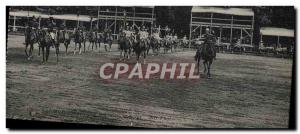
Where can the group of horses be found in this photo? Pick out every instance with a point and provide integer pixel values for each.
(46, 40)
(128, 45)
(140, 45)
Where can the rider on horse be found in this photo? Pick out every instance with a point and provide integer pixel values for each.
(210, 39)
(33, 26)
(51, 25)
(34, 23)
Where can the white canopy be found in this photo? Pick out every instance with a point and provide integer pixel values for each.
(274, 31)
(61, 17)
(140, 6)
(72, 17)
(28, 13)
(221, 10)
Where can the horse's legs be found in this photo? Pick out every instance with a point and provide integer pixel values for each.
(125, 54)
(121, 54)
(66, 46)
(57, 51)
(80, 47)
(105, 46)
(145, 56)
(110, 43)
(198, 65)
(90, 46)
(99, 44)
(83, 47)
(39, 49)
(128, 53)
(26, 49)
(30, 50)
(208, 68)
(148, 49)
(75, 48)
(47, 52)
(43, 53)
(205, 65)
(137, 57)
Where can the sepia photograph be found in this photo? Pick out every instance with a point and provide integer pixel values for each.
(161, 67)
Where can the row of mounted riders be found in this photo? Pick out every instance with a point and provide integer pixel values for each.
(46, 38)
(138, 42)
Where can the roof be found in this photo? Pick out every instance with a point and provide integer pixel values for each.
(274, 31)
(61, 16)
(139, 6)
(72, 17)
(221, 10)
(26, 13)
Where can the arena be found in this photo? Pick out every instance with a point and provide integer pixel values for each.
(245, 91)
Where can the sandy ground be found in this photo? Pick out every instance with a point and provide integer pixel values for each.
(245, 92)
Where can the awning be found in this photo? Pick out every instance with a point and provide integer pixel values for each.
(220, 10)
(72, 17)
(274, 31)
(28, 13)
(85, 18)
(139, 6)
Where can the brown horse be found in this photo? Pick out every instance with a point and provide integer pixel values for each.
(207, 53)
(31, 38)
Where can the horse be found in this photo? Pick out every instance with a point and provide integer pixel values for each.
(31, 37)
(207, 53)
(140, 48)
(124, 45)
(79, 39)
(63, 36)
(176, 43)
(155, 45)
(46, 42)
(92, 38)
(108, 39)
(167, 44)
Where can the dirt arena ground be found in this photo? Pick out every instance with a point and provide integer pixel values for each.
(245, 91)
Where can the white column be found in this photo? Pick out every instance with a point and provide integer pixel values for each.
(14, 27)
(115, 25)
(241, 35)
(252, 29)
(231, 29)
(152, 21)
(190, 30)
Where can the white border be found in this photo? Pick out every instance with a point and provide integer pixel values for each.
(5, 3)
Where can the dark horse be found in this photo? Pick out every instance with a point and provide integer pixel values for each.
(167, 44)
(207, 53)
(124, 45)
(140, 48)
(155, 45)
(46, 42)
(64, 37)
(108, 39)
(92, 38)
(31, 37)
(79, 39)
